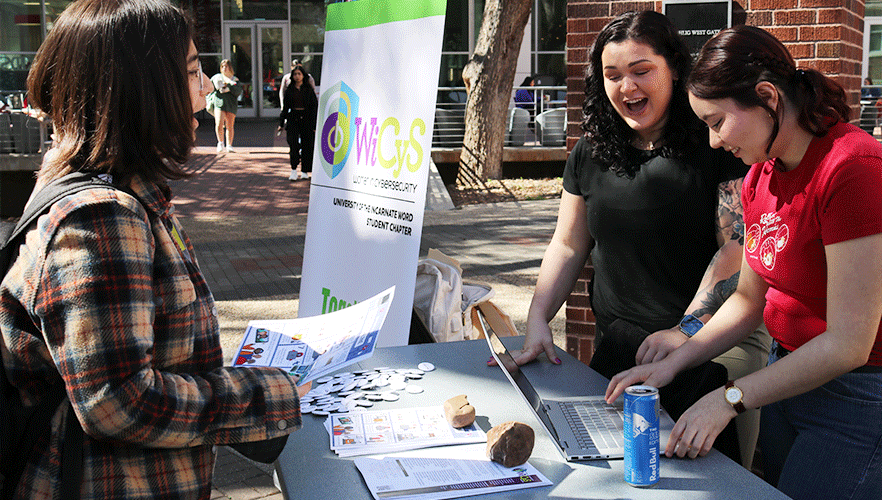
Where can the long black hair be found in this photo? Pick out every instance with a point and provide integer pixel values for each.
(609, 135)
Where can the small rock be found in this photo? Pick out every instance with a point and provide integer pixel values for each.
(510, 444)
(459, 412)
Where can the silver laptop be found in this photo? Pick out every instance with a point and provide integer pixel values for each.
(583, 428)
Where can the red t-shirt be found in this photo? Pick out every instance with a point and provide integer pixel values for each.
(834, 195)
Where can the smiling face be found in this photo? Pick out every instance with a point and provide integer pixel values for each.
(743, 131)
(639, 84)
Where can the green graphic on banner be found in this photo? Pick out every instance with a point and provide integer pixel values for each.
(354, 15)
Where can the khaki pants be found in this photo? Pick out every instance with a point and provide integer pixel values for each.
(745, 358)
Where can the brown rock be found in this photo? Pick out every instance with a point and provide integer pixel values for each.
(459, 412)
(510, 444)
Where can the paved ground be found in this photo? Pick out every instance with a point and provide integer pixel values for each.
(248, 224)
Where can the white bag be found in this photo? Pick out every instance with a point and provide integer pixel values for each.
(443, 302)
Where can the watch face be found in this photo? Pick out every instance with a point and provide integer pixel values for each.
(733, 395)
(690, 325)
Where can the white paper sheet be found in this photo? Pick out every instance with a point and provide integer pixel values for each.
(439, 473)
(317, 345)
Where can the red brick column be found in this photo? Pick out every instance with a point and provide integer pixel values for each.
(823, 34)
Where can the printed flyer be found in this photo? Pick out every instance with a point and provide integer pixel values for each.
(372, 432)
(314, 346)
(459, 474)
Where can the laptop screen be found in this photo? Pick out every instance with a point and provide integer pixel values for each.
(515, 375)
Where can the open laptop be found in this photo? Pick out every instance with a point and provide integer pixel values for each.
(583, 428)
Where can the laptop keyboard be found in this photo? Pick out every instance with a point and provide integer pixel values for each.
(601, 420)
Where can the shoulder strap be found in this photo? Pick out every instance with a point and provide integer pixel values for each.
(28, 425)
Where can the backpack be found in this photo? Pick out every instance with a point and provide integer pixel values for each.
(20, 427)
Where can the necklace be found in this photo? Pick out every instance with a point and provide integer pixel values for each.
(645, 145)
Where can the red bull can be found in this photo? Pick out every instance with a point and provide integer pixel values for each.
(641, 436)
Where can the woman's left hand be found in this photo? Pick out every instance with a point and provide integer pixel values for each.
(698, 427)
(657, 346)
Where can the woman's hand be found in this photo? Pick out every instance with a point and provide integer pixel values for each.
(303, 389)
(655, 374)
(538, 340)
(657, 346)
(698, 427)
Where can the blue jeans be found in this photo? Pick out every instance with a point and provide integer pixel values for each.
(826, 443)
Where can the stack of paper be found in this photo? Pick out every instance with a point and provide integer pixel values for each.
(373, 432)
(441, 473)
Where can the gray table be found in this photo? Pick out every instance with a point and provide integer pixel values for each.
(309, 469)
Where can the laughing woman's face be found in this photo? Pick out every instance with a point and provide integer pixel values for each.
(639, 84)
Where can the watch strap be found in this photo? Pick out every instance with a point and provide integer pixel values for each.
(739, 406)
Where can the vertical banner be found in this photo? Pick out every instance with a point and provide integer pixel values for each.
(373, 140)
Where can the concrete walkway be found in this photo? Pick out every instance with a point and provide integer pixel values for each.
(248, 224)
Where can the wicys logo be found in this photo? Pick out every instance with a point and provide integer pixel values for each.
(338, 106)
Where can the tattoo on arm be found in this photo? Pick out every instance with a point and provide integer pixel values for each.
(715, 298)
(730, 213)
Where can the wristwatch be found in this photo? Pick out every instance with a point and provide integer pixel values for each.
(690, 325)
(734, 396)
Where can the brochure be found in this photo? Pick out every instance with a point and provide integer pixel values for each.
(450, 472)
(317, 345)
(387, 431)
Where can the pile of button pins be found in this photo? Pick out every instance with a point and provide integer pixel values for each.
(351, 391)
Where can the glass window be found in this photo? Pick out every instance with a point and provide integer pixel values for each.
(22, 26)
(308, 26)
(54, 8)
(874, 53)
(207, 23)
(553, 65)
(451, 70)
(14, 70)
(238, 10)
(456, 27)
(551, 20)
(873, 8)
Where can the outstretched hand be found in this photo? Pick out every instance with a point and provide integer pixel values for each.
(698, 427)
(655, 374)
(303, 389)
(537, 341)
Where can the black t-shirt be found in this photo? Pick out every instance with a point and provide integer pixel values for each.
(654, 234)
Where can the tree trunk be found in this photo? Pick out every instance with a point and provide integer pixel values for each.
(489, 78)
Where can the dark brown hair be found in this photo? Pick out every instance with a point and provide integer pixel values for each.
(610, 136)
(736, 59)
(112, 75)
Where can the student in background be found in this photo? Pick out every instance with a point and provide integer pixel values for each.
(812, 269)
(298, 117)
(227, 90)
(106, 297)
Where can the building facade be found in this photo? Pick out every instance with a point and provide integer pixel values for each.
(260, 37)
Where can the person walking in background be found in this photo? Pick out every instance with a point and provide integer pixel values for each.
(286, 80)
(812, 269)
(105, 298)
(298, 116)
(659, 212)
(225, 96)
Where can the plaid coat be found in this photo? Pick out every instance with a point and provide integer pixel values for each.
(131, 329)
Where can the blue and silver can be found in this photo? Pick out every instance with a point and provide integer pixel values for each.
(641, 436)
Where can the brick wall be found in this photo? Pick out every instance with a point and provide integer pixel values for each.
(823, 34)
